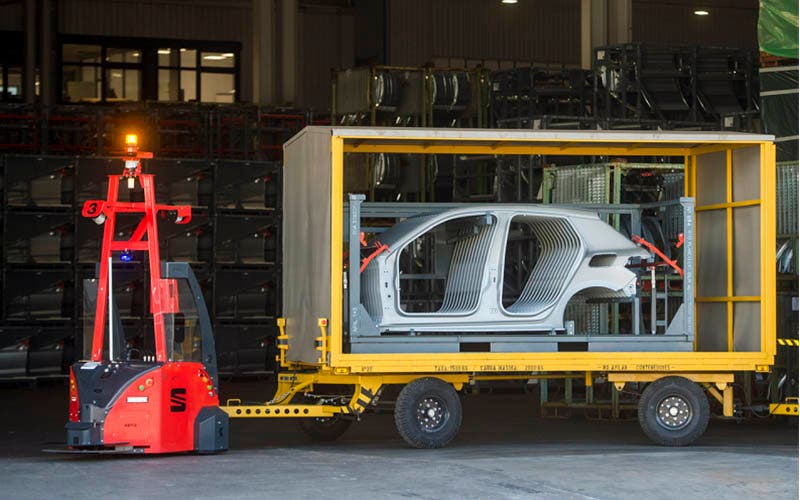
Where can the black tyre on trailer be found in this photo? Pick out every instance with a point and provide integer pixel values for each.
(673, 411)
(428, 413)
(325, 429)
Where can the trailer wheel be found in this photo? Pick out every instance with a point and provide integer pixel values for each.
(324, 429)
(427, 413)
(673, 411)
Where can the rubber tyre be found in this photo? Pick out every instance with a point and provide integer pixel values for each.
(408, 419)
(324, 430)
(689, 395)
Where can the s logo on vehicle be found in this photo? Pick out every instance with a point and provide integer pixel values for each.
(177, 399)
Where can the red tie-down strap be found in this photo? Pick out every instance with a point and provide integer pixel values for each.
(671, 263)
(381, 247)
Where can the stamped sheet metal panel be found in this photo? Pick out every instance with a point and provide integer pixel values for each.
(306, 240)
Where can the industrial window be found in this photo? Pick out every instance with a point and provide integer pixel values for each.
(11, 59)
(103, 69)
(184, 74)
(94, 73)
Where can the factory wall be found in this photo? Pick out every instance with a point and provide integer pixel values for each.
(326, 42)
(730, 23)
(228, 21)
(541, 31)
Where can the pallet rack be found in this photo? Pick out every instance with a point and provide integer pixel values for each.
(49, 249)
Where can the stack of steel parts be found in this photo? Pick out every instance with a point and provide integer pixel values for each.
(232, 243)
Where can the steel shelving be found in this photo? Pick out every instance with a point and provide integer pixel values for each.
(48, 251)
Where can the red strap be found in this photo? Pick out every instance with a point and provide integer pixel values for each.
(365, 262)
(673, 264)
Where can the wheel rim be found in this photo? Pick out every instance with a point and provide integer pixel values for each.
(326, 421)
(674, 412)
(432, 414)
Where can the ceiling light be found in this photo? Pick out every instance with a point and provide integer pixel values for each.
(135, 54)
(214, 57)
(509, 2)
(701, 13)
(164, 51)
(228, 54)
(183, 50)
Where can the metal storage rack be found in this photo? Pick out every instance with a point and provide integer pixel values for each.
(682, 87)
(530, 92)
(613, 183)
(49, 249)
(170, 130)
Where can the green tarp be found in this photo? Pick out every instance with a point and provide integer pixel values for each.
(777, 27)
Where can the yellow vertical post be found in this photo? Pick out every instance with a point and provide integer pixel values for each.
(729, 242)
(690, 182)
(768, 268)
(727, 401)
(337, 175)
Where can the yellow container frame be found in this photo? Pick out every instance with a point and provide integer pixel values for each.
(343, 141)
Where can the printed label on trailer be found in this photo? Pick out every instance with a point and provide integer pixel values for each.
(177, 399)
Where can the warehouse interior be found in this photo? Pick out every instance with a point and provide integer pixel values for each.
(221, 102)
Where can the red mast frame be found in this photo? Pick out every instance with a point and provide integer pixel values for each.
(163, 292)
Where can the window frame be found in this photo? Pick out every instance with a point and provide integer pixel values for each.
(149, 65)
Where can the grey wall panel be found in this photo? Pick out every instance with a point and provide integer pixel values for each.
(542, 31)
(712, 258)
(746, 327)
(730, 23)
(711, 174)
(712, 327)
(306, 239)
(746, 166)
(747, 251)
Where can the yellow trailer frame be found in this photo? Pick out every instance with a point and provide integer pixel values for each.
(367, 373)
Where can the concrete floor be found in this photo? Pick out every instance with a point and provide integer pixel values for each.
(503, 451)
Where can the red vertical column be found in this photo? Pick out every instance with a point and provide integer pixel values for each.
(100, 316)
(155, 266)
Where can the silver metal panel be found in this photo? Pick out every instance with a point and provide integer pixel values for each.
(747, 251)
(665, 138)
(580, 184)
(712, 256)
(544, 343)
(786, 200)
(712, 175)
(352, 90)
(712, 327)
(746, 327)
(306, 240)
(746, 167)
